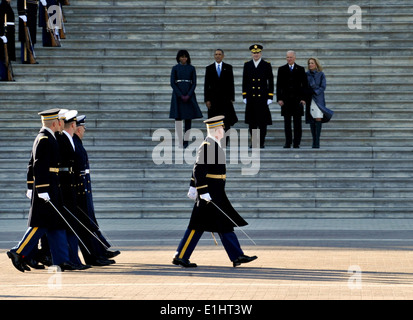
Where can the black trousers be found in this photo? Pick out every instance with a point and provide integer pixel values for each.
(262, 134)
(288, 130)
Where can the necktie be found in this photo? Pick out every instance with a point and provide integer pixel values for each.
(219, 70)
(291, 68)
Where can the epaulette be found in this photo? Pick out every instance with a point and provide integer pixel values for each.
(44, 137)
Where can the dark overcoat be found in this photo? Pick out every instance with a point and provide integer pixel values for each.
(220, 91)
(9, 31)
(84, 185)
(31, 13)
(291, 89)
(68, 179)
(257, 88)
(42, 176)
(208, 176)
(183, 83)
(317, 84)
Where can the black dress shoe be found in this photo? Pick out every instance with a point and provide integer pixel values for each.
(67, 266)
(184, 263)
(34, 264)
(287, 146)
(243, 259)
(83, 266)
(112, 254)
(102, 262)
(17, 261)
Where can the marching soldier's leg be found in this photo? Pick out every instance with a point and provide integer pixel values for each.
(231, 245)
(25, 246)
(186, 247)
(233, 249)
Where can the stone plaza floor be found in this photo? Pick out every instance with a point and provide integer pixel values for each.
(298, 259)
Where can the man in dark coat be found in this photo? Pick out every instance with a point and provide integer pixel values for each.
(258, 93)
(208, 184)
(27, 11)
(219, 90)
(291, 93)
(43, 185)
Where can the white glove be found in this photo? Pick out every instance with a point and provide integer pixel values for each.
(192, 193)
(24, 18)
(206, 197)
(29, 193)
(44, 3)
(44, 196)
(269, 101)
(245, 101)
(4, 39)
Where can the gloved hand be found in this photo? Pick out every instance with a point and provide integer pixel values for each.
(192, 193)
(44, 3)
(29, 193)
(24, 18)
(269, 101)
(185, 98)
(206, 197)
(44, 196)
(4, 38)
(245, 101)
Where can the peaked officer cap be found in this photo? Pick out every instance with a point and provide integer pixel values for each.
(255, 48)
(214, 122)
(50, 114)
(71, 116)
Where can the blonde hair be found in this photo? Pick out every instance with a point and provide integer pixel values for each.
(317, 63)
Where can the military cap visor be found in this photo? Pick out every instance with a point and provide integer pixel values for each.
(256, 48)
(80, 120)
(215, 122)
(70, 116)
(50, 114)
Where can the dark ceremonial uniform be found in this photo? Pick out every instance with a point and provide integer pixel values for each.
(68, 188)
(220, 91)
(98, 249)
(258, 88)
(28, 8)
(42, 22)
(208, 177)
(8, 31)
(42, 178)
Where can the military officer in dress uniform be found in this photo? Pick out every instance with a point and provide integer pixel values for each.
(43, 187)
(68, 184)
(258, 93)
(7, 31)
(97, 244)
(27, 11)
(208, 183)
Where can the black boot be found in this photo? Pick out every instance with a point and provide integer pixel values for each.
(313, 133)
(318, 126)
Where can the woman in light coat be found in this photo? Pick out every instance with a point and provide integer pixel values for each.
(316, 111)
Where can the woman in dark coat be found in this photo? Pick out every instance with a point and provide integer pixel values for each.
(184, 105)
(316, 111)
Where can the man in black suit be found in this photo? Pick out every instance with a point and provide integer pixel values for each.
(291, 86)
(219, 90)
(258, 93)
